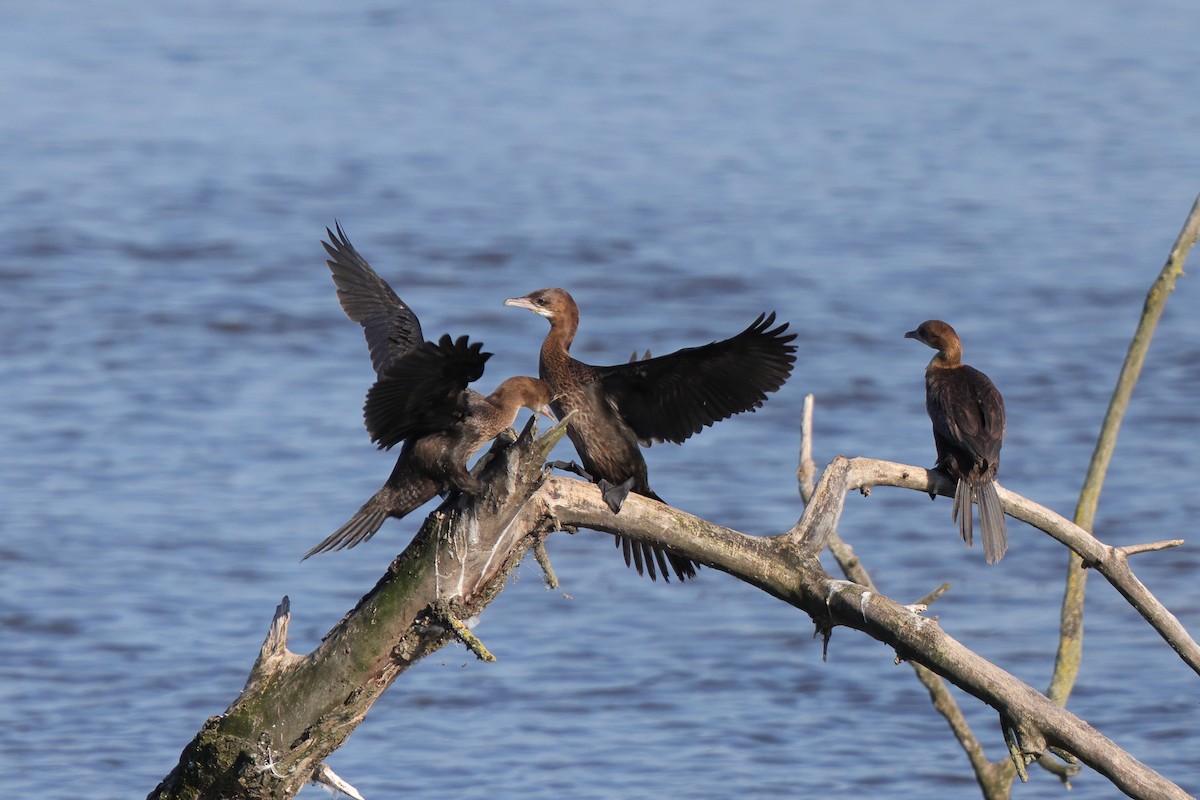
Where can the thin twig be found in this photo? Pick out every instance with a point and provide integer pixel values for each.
(933, 596)
(1149, 547)
(543, 560)
(469, 639)
(807, 470)
(327, 777)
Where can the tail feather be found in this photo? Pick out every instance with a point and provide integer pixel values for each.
(991, 517)
(395, 499)
(648, 560)
(660, 556)
(652, 560)
(963, 495)
(359, 528)
(636, 547)
(643, 556)
(683, 567)
(991, 520)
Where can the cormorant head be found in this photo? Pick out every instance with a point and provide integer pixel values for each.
(934, 333)
(940, 337)
(524, 391)
(548, 303)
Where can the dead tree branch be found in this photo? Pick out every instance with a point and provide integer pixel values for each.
(844, 475)
(1070, 648)
(994, 778)
(1033, 724)
(297, 709)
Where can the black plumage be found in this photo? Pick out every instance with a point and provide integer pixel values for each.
(967, 413)
(420, 399)
(668, 398)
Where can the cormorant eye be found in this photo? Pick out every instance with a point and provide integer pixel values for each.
(541, 301)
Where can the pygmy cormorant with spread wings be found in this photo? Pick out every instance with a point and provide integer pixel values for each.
(668, 398)
(420, 398)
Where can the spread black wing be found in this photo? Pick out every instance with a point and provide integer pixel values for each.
(671, 397)
(423, 392)
(391, 328)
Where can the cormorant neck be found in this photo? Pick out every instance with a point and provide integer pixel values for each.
(563, 326)
(949, 357)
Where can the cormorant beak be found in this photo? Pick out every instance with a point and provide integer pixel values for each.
(525, 302)
(545, 412)
(913, 335)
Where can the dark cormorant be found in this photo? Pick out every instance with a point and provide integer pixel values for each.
(968, 429)
(420, 398)
(668, 398)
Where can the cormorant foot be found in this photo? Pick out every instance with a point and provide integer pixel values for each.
(614, 494)
(455, 501)
(942, 475)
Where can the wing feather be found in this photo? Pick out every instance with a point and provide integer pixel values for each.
(391, 328)
(968, 413)
(672, 397)
(424, 392)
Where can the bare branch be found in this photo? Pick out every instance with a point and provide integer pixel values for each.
(1065, 769)
(327, 777)
(1070, 647)
(933, 596)
(995, 779)
(1152, 310)
(807, 471)
(1149, 547)
(792, 575)
(296, 710)
(469, 639)
(845, 475)
(543, 559)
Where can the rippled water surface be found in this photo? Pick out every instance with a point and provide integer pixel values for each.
(181, 403)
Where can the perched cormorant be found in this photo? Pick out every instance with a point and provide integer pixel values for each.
(968, 429)
(668, 398)
(420, 398)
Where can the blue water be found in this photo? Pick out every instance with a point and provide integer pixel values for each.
(182, 394)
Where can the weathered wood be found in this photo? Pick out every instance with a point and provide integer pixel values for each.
(297, 709)
(785, 567)
(843, 475)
